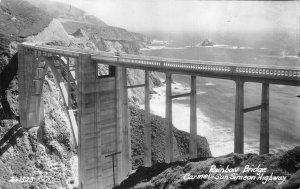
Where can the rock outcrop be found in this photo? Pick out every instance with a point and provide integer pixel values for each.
(43, 152)
(53, 32)
(207, 43)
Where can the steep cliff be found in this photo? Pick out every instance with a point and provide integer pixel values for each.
(44, 152)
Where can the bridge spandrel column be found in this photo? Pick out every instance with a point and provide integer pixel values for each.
(168, 120)
(193, 119)
(148, 158)
(123, 129)
(239, 118)
(264, 127)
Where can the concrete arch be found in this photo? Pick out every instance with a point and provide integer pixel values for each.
(35, 107)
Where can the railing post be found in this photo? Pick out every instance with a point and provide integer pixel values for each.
(264, 123)
(148, 157)
(193, 119)
(168, 120)
(239, 118)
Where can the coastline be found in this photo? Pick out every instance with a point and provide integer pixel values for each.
(205, 126)
(219, 137)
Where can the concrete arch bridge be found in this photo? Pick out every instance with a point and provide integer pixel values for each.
(101, 125)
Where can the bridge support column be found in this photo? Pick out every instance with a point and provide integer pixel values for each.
(168, 120)
(123, 122)
(264, 123)
(193, 119)
(148, 157)
(239, 118)
(24, 63)
(30, 89)
(89, 149)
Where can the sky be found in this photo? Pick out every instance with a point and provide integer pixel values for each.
(190, 15)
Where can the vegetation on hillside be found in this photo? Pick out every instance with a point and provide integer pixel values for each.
(158, 134)
(174, 175)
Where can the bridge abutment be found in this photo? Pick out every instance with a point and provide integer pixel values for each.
(31, 80)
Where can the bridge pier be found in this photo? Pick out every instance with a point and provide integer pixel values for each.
(264, 127)
(148, 157)
(239, 118)
(169, 156)
(31, 79)
(103, 117)
(168, 120)
(193, 118)
(25, 62)
(90, 160)
(123, 129)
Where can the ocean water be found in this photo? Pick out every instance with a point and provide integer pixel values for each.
(216, 98)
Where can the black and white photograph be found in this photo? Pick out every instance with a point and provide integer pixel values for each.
(149, 94)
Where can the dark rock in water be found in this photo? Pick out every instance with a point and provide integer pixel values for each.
(207, 42)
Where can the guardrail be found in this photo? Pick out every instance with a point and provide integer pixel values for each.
(165, 64)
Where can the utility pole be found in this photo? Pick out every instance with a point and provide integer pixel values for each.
(113, 161)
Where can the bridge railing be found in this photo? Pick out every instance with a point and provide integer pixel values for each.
(165, 64)
(206, 66)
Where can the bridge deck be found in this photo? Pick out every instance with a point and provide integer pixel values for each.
(224, 70)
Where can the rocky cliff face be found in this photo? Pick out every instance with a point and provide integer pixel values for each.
(44, 152)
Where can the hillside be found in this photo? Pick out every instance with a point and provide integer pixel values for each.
(23, 18)
(158, 134)
(278, 171)
(20, 18)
